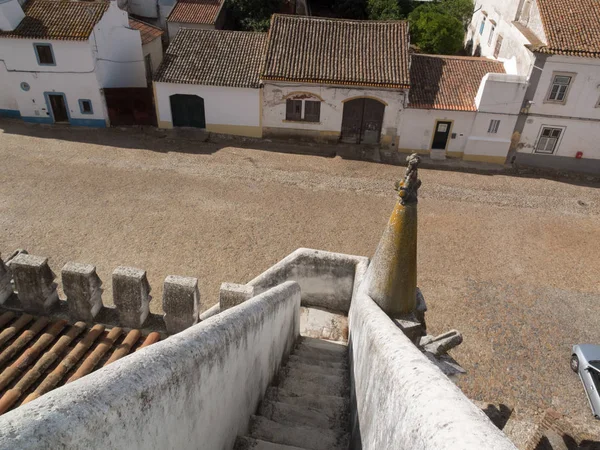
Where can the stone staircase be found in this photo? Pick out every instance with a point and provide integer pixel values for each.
(307, 408)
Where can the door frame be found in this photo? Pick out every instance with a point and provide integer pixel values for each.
(364, 97)
(435, 131)
(49, 105)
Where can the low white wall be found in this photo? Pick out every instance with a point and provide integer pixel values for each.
(327, 280)
(400, 399)
(196, 389)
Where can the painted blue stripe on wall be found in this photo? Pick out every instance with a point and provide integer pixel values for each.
(95, 123)
(10, 113)
(38, 119)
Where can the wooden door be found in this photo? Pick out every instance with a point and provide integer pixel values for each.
(59, 107)
(362, 120)
(187, 111)
(440, 138)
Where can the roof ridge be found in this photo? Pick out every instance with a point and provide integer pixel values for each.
(461, 58)
(336, 19)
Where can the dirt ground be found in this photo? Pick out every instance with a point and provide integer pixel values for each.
(511, 262)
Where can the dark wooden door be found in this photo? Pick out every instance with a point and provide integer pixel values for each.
(59, 108)
(187, 111)
(440, 138)
(362, 120)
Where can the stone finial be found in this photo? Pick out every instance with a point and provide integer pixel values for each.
(34, 282)
(181, 303)
(391, 279)
(232, 294)
(408, 188)
(6, 289)
(82, 286)
(131, 295)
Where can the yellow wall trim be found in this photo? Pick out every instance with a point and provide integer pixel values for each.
(485, 158)
(455, 154)
(165, 124)
(237, 130)
(364, 96)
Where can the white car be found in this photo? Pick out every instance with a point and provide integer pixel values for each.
(585, 361)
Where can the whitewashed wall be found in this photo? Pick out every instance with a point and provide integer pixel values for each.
(222, 105)
(155, 50)
(143, 8)
(8, 101)
(332, 106)
(501, 93)
(118, 51)
(583, 95)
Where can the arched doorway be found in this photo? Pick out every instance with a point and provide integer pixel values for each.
(187, 111)
(362, 120)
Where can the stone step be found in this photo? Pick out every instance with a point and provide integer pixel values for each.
(316, 384)
(319, 355)
(321, 344)
(294, 369)
(293, 415)
(299, 436)
(330, 405)
(248, 443)
(320, 362)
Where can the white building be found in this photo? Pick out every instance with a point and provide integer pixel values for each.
(57, 57)
(460, 107)
(209, 79)
(334, 80)
(152, 47)
(558, 49)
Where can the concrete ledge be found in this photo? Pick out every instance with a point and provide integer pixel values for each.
(403, 401)
(328, 280)
(196, 389)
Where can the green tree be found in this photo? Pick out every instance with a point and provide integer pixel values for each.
(350, 9)
(461, 9)
(252, 15)
(383, 10)
(435, 31)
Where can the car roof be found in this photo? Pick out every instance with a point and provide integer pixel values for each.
(590, 351)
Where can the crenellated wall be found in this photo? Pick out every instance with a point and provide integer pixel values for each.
(36, 292)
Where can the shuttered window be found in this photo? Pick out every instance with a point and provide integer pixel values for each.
(312, 111)
(548, 140)
(498, 46)
(293, 110)
(494, 125)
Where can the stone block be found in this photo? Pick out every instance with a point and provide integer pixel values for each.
(443, 343)
(6, 289)
(131, 295)
(411, 327)
(82, 286)
(181, 303)
(34, 282)
(232, 294)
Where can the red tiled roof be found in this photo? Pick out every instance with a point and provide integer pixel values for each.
(195, 11)
(147, 31)
(58, 20)
(572, 27)
(338, 51)
(447, 82)
(39, 354)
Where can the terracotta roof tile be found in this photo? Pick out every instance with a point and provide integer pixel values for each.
(147, 31)
(40, 354)
(213, 57)
(335, 51)
(572, 27)
(58, 20)
(448, 82)
(195, 11)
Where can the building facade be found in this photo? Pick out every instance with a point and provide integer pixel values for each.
(57, 57)
(557, 47)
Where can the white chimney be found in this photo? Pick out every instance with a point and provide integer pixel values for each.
(11, 15)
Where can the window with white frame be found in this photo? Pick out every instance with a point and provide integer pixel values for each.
(303, 110)
(494, 125)
(548, 140)
(559, 89)
(491, 38)
(482, 26)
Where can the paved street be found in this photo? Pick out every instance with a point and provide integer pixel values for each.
(511, 262)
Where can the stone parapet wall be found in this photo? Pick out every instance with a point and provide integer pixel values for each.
(27, 284)
(196, 389)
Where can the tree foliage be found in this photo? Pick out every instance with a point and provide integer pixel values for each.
(433, 30)
(252, 15)
(383, 10)
(461, 9)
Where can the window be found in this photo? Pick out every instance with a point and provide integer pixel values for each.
(559, 88)
(482, 26)
(303, 110)
(85, 106)
(498, 46)
(548, 140)
(293, 110)
(491, 38)
(312, 111)
(44, 54)
(494, 125)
